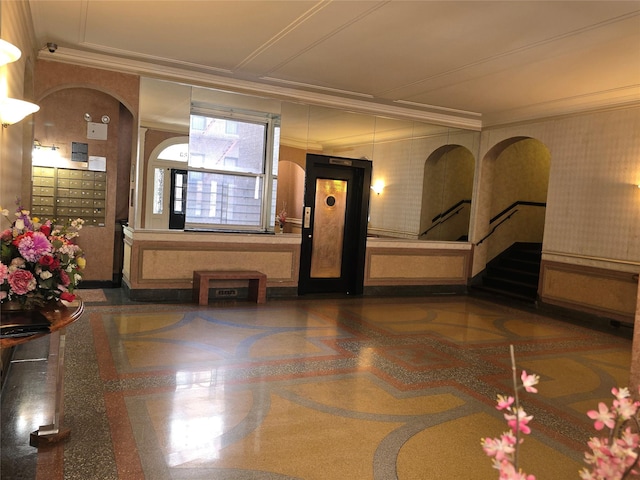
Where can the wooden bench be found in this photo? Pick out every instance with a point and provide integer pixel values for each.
(257, 283)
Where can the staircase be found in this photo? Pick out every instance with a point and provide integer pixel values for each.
(513, 274)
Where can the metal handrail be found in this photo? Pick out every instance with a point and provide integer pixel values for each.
(503, 212)
(441, 222)
(494, 228)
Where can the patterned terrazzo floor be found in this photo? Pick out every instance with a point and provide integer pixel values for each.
(358, 388)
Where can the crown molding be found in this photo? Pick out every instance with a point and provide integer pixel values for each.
(213, 80)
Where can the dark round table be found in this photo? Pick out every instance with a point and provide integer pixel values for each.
(60, 316)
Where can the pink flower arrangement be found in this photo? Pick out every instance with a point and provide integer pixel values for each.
(612, 458)
(504, 450)
(39, 261)
(282, 217)
(616, 456)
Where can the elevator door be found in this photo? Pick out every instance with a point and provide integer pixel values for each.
(334, 225)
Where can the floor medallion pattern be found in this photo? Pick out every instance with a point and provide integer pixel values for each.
(358, 388)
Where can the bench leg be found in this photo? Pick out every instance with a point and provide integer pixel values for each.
(200, 290)
(258, 290)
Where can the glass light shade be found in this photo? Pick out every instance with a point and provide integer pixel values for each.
(8, 52)
(13, 110)
(378, 187)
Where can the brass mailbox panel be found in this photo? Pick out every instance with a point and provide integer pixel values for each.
(64, 194)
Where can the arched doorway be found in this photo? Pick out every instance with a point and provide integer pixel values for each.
(516, 177)
(511, 216)
(168, 156)
(89, 177)
(446, 194)
(290, 194)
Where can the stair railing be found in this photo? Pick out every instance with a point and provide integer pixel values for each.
(510, 209)
(448, 213)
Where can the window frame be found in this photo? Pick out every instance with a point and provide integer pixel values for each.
(266, 177)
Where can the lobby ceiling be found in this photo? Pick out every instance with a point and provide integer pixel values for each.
(492, 61)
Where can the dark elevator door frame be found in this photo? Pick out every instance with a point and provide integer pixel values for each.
(358, 175)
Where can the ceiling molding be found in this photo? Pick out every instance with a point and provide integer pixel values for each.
(206, 79)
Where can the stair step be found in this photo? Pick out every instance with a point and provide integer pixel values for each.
(517, 275)
(514, 273)
(517, 264)
(511, 286)
(493, 293)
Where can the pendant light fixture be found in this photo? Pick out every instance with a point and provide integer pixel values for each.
(8, 52)
(13, 110)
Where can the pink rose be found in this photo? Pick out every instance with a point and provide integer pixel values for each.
(22, 281)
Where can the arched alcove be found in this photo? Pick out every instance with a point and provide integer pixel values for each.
(290, 192)
(163, 155)
(446, 194)
(99, 152)
(514, 186)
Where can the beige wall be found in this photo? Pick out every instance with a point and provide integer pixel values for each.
(592, 221)
(593, 207)
(514, 170)
(60, 122)
(65, 93)
(396, 212)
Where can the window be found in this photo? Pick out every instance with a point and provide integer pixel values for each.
(231, 171)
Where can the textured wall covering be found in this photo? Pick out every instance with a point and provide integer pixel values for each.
(634, 381)
(593, 209)
(401, 164)
(593, 206)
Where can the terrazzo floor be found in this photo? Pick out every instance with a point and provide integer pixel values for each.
(313, 389)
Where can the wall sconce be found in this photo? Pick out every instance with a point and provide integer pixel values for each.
(37, 145)
(11, 109)
(46, 153)
(378, 187)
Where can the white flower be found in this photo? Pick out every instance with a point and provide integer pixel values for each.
(16, 263)
(46, 274)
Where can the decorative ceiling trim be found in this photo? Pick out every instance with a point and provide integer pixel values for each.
(206, 79)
